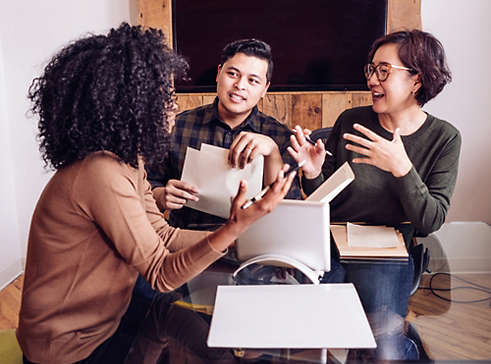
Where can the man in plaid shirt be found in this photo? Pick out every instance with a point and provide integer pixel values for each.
(233, 122)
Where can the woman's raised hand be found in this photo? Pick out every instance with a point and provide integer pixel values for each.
(302, 150)
(388, 155)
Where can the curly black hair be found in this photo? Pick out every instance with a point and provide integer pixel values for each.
(424, 54)
(107, 92)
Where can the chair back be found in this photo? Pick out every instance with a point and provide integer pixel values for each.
(321, 133)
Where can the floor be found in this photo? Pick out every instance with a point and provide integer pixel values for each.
(449, 331)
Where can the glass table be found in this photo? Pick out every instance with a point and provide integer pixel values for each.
(449, 319)
(193, 313)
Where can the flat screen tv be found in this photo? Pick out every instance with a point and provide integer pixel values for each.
(317, 44)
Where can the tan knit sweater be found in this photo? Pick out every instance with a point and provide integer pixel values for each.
(95, 227)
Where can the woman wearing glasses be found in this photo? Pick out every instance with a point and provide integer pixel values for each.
(404, 159)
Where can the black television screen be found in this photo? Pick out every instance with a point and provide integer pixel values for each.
(317, 44)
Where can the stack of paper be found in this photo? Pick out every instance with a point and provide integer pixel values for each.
(208, 170)
(368, 242)
(366, 236)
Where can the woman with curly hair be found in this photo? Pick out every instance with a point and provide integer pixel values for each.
(105, 106)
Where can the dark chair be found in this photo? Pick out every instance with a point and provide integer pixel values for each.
(421, 260)
(321, 133)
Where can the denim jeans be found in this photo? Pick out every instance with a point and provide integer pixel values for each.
(382, 286)
(384, 290)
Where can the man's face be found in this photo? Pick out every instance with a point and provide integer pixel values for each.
(241, 83)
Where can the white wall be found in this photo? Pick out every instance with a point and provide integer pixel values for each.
(10, 252)
(30, 33)
(464, 29)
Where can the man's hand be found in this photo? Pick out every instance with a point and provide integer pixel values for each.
(249, 145)
(388, 155)
(175, 194)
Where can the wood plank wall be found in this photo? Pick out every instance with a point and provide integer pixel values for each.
(308, 109)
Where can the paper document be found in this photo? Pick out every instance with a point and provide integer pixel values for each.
(209, 170)
(333, 185)
(301, 316)
(371, 236)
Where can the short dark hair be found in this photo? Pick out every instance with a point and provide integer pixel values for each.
(251, 47)
(424, 54)
(107, 92)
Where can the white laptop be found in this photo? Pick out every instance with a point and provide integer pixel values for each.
(295, 229)
(296, 233)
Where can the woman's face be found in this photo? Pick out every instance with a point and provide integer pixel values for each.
(396, 93)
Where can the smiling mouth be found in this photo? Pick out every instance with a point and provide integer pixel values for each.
(377, 95)
(236, 97)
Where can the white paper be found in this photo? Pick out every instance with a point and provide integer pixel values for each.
(371, 236)
(216, 181)
(333, 185)
(302, 316)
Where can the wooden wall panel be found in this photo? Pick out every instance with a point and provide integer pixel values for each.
(361, 99)
(306, 110)
(295, 108)
(156, 14)
(403, 14)
(188, 102)
(332, 105)
(208, 99)
(278, 106)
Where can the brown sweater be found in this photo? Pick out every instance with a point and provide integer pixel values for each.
(95, 227)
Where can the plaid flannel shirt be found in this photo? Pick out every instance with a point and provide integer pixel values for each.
(203, 125)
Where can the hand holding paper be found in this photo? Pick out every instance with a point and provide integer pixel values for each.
(216, 180)
(176, 193)
(247, 146)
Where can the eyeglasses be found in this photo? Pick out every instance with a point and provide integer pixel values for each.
(382, 70)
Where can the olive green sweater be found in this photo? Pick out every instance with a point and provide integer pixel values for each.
(375, 196)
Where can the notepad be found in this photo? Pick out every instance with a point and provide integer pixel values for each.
(366, 236)
(333, 185)
(217, 181)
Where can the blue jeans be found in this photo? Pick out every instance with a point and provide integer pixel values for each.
(384, 290)
(382, 286)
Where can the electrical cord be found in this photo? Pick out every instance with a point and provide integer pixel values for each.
(473, 286)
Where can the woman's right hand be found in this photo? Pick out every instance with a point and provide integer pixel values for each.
(302, 150)
(240, 219)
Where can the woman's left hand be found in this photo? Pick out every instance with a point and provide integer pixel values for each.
(388, 155)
